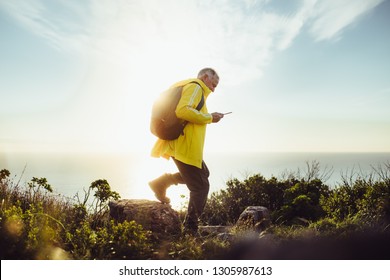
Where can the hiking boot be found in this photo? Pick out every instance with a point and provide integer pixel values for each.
(160, 185)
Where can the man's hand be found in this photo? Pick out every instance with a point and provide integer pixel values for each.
(216, 117)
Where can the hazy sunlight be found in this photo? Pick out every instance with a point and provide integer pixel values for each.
(151, 168)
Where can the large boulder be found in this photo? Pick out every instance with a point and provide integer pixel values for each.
(159, 218)
(255, 218)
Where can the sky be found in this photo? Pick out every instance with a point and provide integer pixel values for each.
(298, 75)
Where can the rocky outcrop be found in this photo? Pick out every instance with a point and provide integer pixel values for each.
(159, 218)
(164, 222)
(255, 218)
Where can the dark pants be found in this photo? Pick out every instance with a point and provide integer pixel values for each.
(197, 181)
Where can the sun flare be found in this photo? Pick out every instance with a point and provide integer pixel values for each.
(150, 168)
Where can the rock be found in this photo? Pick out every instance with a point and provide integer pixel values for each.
(255, 218)
(159, 218)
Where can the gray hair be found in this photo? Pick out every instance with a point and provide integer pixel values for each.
(210, 72)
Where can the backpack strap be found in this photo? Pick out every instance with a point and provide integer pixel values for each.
(200, 106)
(201, 103)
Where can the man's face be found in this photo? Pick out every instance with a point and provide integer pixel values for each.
(211, 82)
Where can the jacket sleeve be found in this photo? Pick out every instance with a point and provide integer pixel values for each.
(186, 109)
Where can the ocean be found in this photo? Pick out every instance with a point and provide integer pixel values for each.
(71, 174)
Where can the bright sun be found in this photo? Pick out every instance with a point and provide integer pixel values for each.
(150, 168)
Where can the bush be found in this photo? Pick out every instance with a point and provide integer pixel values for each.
(303, 200)
(30, 234)
(34, 224)
(286, 199)
(125, 240)
(224, 207)
(365, 200)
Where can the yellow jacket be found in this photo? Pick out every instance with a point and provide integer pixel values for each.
(188, 148)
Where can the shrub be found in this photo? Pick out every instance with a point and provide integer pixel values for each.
(34, 224)
(30, 234)
(302, 200)
(126, 240)
(224, 207)
(365, 200)
(286, 199)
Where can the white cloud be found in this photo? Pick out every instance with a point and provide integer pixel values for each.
(232, 36)
(331, 17)
(62, 30)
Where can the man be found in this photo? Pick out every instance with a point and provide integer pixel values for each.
(187, 150)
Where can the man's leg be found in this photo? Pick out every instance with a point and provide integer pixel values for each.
(197, 182)
(160, 185)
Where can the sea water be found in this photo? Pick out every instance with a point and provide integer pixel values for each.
(128, 174)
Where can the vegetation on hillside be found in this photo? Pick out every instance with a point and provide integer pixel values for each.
(36, 224)
(360, 199)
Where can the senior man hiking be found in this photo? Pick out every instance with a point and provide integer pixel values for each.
(187, 150)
